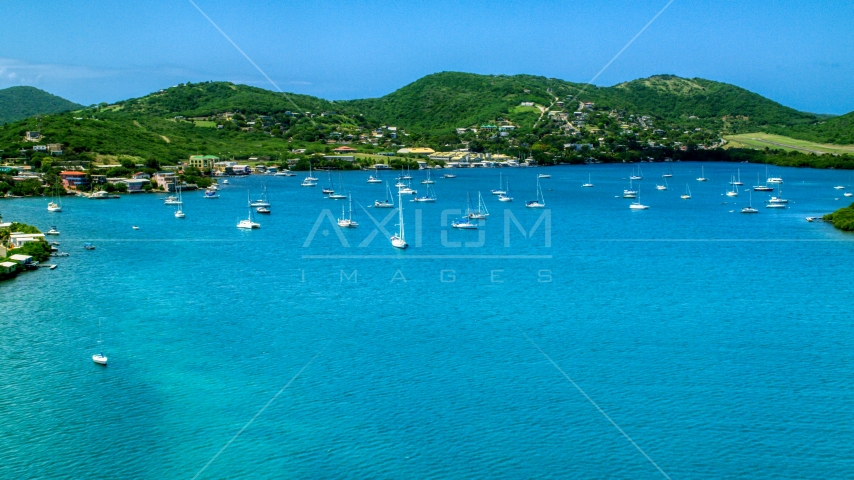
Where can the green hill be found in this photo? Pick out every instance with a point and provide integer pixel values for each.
(656, 117)
(17, 103)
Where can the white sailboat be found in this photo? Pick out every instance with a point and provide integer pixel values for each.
(347, 222)
(506, 196)
(762, 188)
(309, 177)
(637, 205)
(636, 176)
(589, 182)
(375, 178)
(662, 187)
(388, 202)
(55, 204)
(261, 202)
(248, 224)
(733, 192)
(328, 189)
(540, 202)
(499, 191)
(687, 194)
(180, 213)
(702, 177)
(429, 180)
(749, 208)
(631, 192)
(429, 195)
(99, 357)
(398, 240)
(668, 174)
(338, 196)
(737, 181)
(481, 213)
(465, 223)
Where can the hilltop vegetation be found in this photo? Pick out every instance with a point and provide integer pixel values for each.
(17, 103)
(550, 120)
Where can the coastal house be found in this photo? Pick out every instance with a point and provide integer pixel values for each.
(24, 260)
(18, 240)
(343, 158)
(344, 150)
(203, 161)
(165, 180)
(141, 176)
(54, 148)
(39, 148)
(32, 136)
(135, 185)
(73, 179)
(8, 268)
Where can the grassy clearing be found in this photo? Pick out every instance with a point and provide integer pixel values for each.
(521, 109)
(205, 123)
(760, 141)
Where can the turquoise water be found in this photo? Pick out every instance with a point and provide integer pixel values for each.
(721, 343)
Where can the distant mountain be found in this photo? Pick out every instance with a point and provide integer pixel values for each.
(17, 103)
(451, 99)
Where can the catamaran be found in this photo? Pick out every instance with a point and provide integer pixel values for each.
(481, 213)
(540, 202)
(388, 202)
(347, 222)
(248, 223)
(499, 191)
(772, 179)
(398, 240)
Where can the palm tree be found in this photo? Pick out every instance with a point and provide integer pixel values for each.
(5, 236)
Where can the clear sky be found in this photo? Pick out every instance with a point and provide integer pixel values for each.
(798, 53)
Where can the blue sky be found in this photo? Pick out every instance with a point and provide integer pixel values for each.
(798, 53)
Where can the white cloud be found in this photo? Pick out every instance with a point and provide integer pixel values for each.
(23, 72)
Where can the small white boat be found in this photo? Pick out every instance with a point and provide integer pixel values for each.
(544, 175)
(589, 183)
(702, 177)
(373, 179)
(464, 224)
(499, 190)
(449, 175)
(52, 231)
(171, 200)
(774, 180)
(337, 196)
(211, 194)
(749, 208)
(737, 181)
(407, 191)
(263, 210)
(662, 187)
(775, 205)
(99, 358)
(687, 194)
(135, 227)
(225, 181)
(481, 213)
(429, 180)
(327, 191)
(631, 192)
(308, 183)
(179, 214)
(636, 176)
(261, 202)
(847, 194)
(838, 187)
(53, 207)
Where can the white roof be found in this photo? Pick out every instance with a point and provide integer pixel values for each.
(7, 264)
(22, 258)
